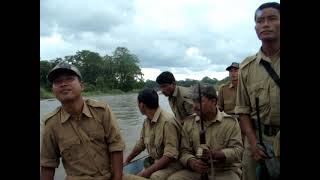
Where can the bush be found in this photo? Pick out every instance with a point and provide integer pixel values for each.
(44, 94)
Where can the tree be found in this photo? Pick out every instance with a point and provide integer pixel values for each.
(126, 68)
(45, 67)
(209, 80)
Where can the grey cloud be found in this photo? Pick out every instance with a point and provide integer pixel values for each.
(104, 27)
(73, 16)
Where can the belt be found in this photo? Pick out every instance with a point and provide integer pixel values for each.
(269, 130)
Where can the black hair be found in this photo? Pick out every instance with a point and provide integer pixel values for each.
(274, 5)
(207, 91)
(149, 97)
(165, 77)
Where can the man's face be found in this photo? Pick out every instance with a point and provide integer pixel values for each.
(207, 106)
(233, 74)
(67, 87)
(167, 89)
(268, 24)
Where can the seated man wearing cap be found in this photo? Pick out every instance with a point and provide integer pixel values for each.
(223, 146)
(84, 133)
(227, 93)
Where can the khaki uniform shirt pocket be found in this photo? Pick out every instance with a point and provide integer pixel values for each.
(72, 150)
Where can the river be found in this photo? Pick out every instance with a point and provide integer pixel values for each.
(126, 111)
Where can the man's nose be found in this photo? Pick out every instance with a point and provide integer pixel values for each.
(63, 82)
(266, 23)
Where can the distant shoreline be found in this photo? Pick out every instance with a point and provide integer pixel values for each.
(46, 95)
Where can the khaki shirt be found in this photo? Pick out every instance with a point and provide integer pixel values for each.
(254, 81)
(160, 136)
(97, 127)
(223, 133)
(181, 103)
(227, 98)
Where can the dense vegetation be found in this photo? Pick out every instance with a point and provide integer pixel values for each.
(113, 74)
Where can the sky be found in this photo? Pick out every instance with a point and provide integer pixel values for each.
(190, 38)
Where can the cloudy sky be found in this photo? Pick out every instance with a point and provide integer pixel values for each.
(190, 38)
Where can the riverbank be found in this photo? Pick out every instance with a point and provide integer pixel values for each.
(44, 94)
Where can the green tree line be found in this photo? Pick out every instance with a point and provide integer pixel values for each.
(104, 74)
(101, 73)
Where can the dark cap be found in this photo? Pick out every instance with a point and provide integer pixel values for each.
(207, 90)
(234, 64)
(63, 67)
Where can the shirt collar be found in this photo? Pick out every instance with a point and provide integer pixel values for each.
(217, 118)
(65, 115)
(231, 85)
(261, 55)
(175, 92)
(156, 115)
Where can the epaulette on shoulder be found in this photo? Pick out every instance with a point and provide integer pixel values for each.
(50, 114)
(190, 117)
(227, 116)
(223, 85)
(95, 103)
(247, 61)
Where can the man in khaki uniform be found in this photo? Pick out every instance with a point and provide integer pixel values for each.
(179, 97)
(159, 135)
(223, 141)
(84, 133)
(227, 93)
(254, 81)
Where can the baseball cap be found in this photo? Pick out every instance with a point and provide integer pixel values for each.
(233, 64)
(63, 67)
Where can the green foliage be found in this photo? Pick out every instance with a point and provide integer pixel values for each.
(113, 74)
(101, 73)
(191, 82)
(45, 67)
(151, 84)
(44, 94)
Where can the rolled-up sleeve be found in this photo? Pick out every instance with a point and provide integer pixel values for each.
(140, 143)
(242, 99)
(113, 135)
(171, 141)
(49, 155)
(186, 148)
(234, 149)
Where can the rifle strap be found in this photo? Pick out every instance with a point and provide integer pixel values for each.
(271, 72)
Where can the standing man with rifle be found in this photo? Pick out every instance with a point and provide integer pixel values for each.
(211, 145)
(259, 76)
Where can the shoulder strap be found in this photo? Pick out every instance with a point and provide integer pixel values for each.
(271, 72)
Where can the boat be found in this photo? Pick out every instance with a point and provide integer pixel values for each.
(134, 167)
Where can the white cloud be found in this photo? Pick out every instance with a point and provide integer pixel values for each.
(192, 36)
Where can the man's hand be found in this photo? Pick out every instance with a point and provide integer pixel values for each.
(197, 165)
(217, 155)
(144, 173)
(258, 154)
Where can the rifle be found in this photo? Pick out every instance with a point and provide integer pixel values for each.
(270, 168)
(204, 176)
